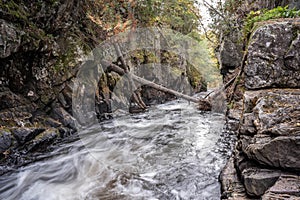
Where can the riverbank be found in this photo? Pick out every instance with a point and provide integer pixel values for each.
(264, 114)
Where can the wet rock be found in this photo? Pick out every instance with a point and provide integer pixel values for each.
(280, 152)
(5, 140)
(267, 56)
(10, 39)
(287, 187)
(232, 188)
(64, 117)
(24, 135)
(257, 180)
(42, 140)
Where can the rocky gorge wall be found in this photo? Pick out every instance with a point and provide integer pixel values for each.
(265, 115)
(42, 45)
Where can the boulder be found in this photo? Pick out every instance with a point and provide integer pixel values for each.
(24, 135)
(273, 56)
(257, 180)
(272, 111)
(287, 187)
(230, 53)
(280, 152)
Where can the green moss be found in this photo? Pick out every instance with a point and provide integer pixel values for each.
(230, 105)
(66, 60)
(195, 77)
(144, 57)
(264, 15)
(12, 8)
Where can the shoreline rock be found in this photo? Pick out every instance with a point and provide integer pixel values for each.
(266, 159)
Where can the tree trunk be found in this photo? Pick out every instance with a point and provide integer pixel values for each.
(203, 103)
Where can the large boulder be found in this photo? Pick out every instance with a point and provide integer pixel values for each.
(287, 187)
(273, 55)
(280, 152)
(257, 180)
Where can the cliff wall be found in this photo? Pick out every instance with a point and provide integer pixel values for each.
(265, 116)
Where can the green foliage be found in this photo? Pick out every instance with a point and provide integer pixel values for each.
(116, 15)
(15, 10)
(264, 15)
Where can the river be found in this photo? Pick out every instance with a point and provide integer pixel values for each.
(173, 151)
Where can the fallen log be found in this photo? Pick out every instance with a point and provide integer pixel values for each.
(203, 104)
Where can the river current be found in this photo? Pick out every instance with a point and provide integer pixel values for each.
(173, 151)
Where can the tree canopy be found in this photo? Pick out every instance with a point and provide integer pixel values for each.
(118, 15)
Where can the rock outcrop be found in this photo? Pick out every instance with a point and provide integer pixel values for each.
(42, 44)
(266, 159)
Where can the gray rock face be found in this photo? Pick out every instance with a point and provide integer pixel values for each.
(5, 140)
(273, 56)
(231, 186)
(275, 112)
(281, 152)
(10, 39)
(287, 187)
(257, 180)
(269, 130)
(230, 53)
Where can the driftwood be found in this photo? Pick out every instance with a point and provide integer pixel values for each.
(203, 104)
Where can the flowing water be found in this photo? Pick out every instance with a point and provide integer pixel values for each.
(173, 151)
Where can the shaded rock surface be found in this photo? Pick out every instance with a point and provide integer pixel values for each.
(267, 152)
(257, 180)
(232, 188)
(287, 187)
(273, 56)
